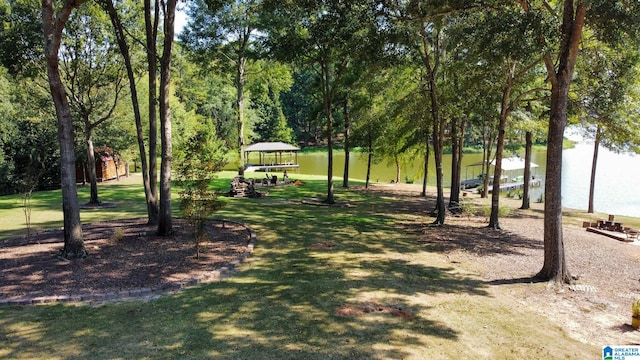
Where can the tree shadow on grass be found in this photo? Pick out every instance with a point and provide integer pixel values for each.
(291, 307)
(283, 302)
(40, 227)
(476, 240)
(528, 213)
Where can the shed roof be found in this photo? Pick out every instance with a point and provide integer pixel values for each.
(270, 146)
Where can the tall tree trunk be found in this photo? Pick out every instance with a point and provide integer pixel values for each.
(497, 175)
(488, 138)
(437, 152)
(458, 163)
(165, 225)
(431, 66)
(91, 158)
(526, 201)
(53, 25)
(369, 158)
(151, 26)
(426, 168)
(486, 155)
(555, 267)
(502, 125)
(396, 159)
(594, 163)
(240, 78)
(485, 179)
(454, 194)
(347, 133)
(457, 144)
(150, 196)
(328, 101)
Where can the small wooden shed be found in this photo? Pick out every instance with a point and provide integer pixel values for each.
(107, 168)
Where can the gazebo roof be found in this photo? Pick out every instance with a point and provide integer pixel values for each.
(270, 147)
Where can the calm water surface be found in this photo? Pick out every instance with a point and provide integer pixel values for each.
(617, 175)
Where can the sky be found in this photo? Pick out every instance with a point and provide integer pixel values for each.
(181, 19)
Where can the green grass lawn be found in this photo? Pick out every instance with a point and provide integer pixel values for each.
(285, 301)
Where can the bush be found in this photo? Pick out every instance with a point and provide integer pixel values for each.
(515, 194)
(502, 211)
(200, 160)
(467, 208)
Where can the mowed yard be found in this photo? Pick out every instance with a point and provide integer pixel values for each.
(367, 279)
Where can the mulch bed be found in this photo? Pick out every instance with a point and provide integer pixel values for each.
(123, 255)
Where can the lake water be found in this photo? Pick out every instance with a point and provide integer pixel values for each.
(616, 189)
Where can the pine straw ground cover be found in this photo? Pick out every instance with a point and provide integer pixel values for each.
(125, 256)
(369, 280)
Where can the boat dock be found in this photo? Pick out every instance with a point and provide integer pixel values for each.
(507, 186)
(507, 181)
(515, 185)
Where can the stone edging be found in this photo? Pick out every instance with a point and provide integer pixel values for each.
(146, 292)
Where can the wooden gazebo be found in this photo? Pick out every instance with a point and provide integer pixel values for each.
(272, 156)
